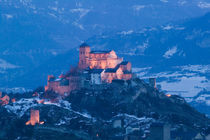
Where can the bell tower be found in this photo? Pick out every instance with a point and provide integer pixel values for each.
(84, 52)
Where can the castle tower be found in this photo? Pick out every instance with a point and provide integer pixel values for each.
(34, 119)
(84, 52)
(152, 82)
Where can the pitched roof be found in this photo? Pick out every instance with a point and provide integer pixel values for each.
(52, 79)
(110, 70)
(96, 71)
(64, 82)
(96, 52)
(158, 124)
(84, 45)
(118, 81)
(127, 72)
(124, 63)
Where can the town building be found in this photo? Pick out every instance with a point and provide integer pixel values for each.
(152, 82)
(4, 100)
(159, 131)
(94, 68)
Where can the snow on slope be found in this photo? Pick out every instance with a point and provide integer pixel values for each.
(21, 106)
(168, 54)
(15, 90)
(186, 81)
(133, 122)
(204, 5)
(6, 65)
(205, 98)
(185, 86)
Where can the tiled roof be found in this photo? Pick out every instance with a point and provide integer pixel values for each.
(119, 81)
(124, 63)
(84, 45)
(64, 82)
(110, 70)
(52, 79)
(96, 71)
(126, 72)
(157, 124)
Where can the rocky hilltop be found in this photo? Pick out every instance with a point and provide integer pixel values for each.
(124, 109)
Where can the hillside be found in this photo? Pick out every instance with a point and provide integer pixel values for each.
(171, 53)
(92, 113)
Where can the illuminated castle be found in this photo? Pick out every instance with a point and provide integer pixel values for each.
(95, 68)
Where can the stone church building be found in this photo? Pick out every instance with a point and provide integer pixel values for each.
(95, 68)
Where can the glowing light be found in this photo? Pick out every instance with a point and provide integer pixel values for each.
(28, 123)
(35, 94)
(168, 95)
(41, 101)
(13, 100)
(5, 100)
(34, 119)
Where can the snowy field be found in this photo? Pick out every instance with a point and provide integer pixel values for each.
(186, 81)
(191, 82)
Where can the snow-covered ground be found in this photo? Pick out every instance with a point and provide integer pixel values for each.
(191, 82)
(21, 106)
(186, 81)
(6, 65)
(204, 98)
(15, 89)
(132, 123)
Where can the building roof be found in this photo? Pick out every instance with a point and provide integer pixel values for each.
(84, 45)
(52, 79)
(127, 72)
(96, 71)
(159, 124)
(111, 70)
(118, 81)
(100, 52)
(124, 63)
(64, 82)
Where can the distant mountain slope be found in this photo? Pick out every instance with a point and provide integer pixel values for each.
(159, 47)
(170, 45)
(34, 32)
(201, 102)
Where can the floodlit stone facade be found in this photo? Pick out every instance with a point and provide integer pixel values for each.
(4, 100)
(94, 67)
(97, 59)
(34, 118)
